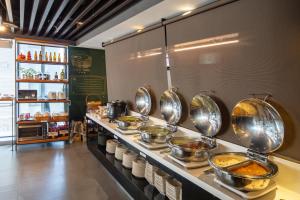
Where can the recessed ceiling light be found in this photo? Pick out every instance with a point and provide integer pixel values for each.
(186, 13)
(79, 23)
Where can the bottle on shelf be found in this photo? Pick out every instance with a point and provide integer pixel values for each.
(59, 58)
(28, 56)
(62, 75)
(56, 76)
(46, 57)
(54, 57)
(41, 56)
(35, 56)
(50, 57)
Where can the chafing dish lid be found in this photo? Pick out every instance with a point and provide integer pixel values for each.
(143, 101)
(258, 125)
(205, 115)
(170, 107)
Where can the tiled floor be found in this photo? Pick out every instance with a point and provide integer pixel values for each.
(55, 172)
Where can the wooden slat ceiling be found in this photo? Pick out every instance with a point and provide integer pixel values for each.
(61, 19)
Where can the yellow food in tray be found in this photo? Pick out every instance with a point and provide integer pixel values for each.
(251, 169)
(228, 160)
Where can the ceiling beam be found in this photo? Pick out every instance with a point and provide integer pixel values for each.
(9, 12)
(79, 17)
(57, 14)
(45, 15)
(67, 17)
(100, 19)
(33, 14)
(99, 11)
(22, 13)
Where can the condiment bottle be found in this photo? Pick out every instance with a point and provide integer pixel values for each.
(54, 57)
(62, 75)
(56, 76)
(46, 57)
(35, 56)
(59, 58)
(41, 56)
(50, 57)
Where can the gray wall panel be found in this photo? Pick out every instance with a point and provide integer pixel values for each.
(266, 59)
(126, 72)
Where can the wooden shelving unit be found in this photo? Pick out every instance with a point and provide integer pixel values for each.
(41, 81)
(41, 62)
(64, 138)
(42, 101)
(41, 66)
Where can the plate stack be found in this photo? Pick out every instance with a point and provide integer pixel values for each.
(149, 173)
(160, 179)
(111, 146)
(138, 167)
(120, 149)
(173, 189)
(128, 157)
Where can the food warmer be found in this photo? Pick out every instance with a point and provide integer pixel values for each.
(143, 105)
(171, 110)
(206, 117)
(260, 128)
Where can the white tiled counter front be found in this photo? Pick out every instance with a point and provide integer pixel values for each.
(288, 184)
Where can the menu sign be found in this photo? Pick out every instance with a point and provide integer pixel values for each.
(87, 79)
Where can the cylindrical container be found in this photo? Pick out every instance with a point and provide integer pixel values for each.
(102, 138)
(160, 179)
(149, 173)
(111, 146)
(128, 157)
(138, 167)
(120, 149)
(173, 189)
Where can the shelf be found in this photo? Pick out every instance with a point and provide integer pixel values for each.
(41, 81)
(42, 101)
(6, 99)
(41, 62)
(65, 138)
(36, 122)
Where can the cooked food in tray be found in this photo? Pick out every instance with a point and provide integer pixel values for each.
(250, 169)
(190, 143)
(228, 160)
(130, 119)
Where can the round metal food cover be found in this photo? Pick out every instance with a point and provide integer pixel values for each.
(143, 101)
(258, 125)
(206, 115)
(170, 107)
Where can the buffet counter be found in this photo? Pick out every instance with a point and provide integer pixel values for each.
(202, 177)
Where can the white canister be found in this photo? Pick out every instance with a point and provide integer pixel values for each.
(160, 179)
(51, 95)
(61, 95)
(128, 157)
(149, 173)
(120, 149)
(173, 189)
(138, 167)
(111, 146)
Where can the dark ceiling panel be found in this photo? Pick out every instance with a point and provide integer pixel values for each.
(62, 19)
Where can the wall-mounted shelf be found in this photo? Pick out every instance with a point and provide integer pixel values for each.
(41, 62)
(64, 138)
(43, 101)
(41, 81)
(36, 122)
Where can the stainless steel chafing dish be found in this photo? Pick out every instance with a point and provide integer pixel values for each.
(206, 117)
(143, 105)
(170, 107)
(260, 128)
